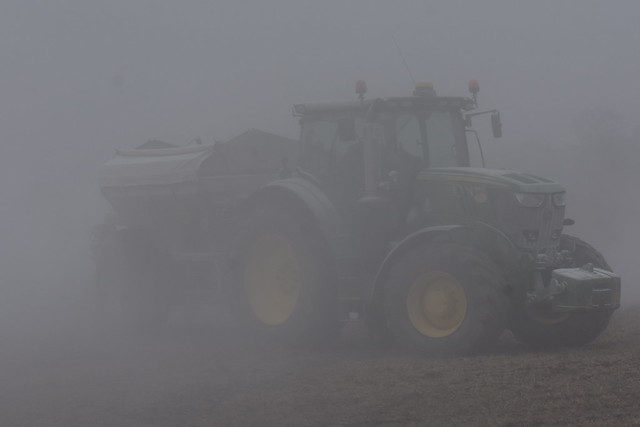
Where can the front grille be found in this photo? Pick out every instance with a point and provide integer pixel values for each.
(530, 228)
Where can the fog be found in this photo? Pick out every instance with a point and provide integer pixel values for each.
(79, 79)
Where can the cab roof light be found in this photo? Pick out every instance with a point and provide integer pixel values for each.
(361, 89)
(424, 89)
(474, 88)
(299, 110)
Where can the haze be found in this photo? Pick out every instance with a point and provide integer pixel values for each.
(79, 79)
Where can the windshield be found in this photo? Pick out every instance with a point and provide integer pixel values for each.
(441, 139)
(428, 135)
(433, 138)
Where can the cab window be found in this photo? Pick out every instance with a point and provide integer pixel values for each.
(441, 140)
(407, 133)
(330, 142)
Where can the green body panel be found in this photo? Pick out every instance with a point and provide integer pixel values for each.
(515, 181)
(463, 195)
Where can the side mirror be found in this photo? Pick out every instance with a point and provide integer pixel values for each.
(496, 125)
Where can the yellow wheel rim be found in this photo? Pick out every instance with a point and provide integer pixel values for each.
(272, 279)
(437, 304)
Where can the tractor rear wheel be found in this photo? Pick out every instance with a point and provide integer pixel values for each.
(551, 330)
(445, 299)
(280, 283)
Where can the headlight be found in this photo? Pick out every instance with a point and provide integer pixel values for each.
(559, 199)
(530, 200)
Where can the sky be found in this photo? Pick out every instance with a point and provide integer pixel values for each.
(81, 78)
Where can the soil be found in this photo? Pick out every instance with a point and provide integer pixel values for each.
(56, 371)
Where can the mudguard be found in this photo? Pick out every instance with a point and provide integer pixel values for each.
(487, 238)
(306, 195)
(413, 240)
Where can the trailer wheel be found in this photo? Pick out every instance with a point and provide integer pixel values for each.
(280, 283)
(132, 283)
(542, 330)
(445, 299)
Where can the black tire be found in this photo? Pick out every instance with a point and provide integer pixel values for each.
(583, 252)
(280, 282)
(475, 305)
(564, 330)
(376, 327)
(133, 278)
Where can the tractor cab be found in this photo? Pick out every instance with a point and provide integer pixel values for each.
(375, 149)
(414, 132)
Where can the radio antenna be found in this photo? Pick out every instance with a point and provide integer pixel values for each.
(403, 59)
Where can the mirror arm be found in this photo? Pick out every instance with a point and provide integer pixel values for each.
(479, 145)
(469, 115)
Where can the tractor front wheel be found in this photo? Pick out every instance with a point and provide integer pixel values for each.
(541, 330)
(445, 299)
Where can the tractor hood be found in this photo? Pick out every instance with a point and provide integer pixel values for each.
(516, 181)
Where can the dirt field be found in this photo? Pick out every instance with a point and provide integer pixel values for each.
(54, 372)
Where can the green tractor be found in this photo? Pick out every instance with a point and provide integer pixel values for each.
(374, 214)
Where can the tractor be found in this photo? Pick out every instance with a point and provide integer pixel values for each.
(375, 214)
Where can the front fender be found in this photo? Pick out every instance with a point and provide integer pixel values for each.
(454, 233)
(488, 239)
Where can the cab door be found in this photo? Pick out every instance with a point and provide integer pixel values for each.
(333, 154)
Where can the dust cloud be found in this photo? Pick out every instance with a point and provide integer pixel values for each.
(79, 79)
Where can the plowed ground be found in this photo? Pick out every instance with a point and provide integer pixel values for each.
(56, 371)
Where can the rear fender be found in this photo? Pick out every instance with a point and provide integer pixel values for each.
(301, 194)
